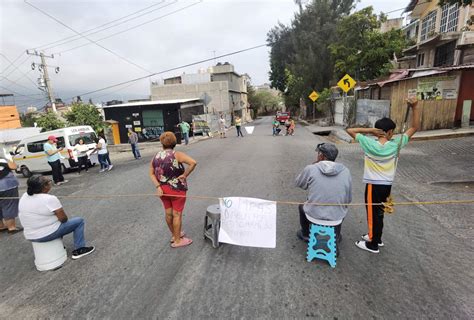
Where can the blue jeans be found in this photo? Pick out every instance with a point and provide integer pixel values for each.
(135, 150)
(75, 225)
(103, 161)
(186, 137)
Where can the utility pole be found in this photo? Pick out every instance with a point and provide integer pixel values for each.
(43, 68)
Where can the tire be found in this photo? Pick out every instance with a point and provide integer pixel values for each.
(64, 170)
(25, 172)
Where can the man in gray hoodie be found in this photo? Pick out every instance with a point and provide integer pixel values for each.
(326, 182)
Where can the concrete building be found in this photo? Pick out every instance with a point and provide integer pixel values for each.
(9, 117)
(221, 89)
(150, 118)
(441, 36)
(391, 24)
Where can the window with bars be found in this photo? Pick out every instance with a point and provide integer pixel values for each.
(428, 25)
(444, 55)
(449, 18)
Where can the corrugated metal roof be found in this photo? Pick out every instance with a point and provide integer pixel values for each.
(150, 103)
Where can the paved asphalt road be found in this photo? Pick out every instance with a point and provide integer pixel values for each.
(425, 270)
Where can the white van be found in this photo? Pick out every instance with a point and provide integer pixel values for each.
(31, 158)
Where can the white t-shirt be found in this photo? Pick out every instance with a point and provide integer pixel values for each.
(103, 149)
(37, 216)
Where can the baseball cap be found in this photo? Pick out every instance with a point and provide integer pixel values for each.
(53, 138)
(329, 150)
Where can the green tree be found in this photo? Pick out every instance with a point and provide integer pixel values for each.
(300, 60)
(264, 102)
(85, 114)
(28, 119)
(49, 121)
(361, 49)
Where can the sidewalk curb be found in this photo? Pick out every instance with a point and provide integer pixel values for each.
(121, 148)
(442, 136)
(419, 136)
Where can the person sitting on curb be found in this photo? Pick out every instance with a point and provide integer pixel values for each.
(44, 219)
(379, 170)
(327, 182)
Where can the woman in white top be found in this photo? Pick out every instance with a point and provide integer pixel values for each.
(103, 154)
(82, 157)
(44, 219)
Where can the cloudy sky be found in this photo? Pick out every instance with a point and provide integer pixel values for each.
(172, 34)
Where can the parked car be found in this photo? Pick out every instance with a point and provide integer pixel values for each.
(31, 158)
(283, 116)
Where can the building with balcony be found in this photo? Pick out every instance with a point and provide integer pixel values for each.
(222, 90)
(439, 36)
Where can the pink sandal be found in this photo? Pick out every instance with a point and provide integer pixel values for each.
(181, 236)
(183, 243)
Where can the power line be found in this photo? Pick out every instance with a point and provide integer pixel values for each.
(405, 8)
(61, 42)
(15, 92)
(17, 67)
(172, 69)
(100, 26)
(92, 41)
(10, 61)
(14, 83)
(131, 28)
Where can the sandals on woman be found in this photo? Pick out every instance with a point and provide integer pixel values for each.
(181, 236)
(183, 243)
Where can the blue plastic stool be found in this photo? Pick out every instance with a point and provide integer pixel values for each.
(313, 243)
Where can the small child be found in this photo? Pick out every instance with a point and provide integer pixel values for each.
(379, 170)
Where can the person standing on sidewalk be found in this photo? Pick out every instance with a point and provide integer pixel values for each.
(44, 219)
(133, 140)
(168, 175)
(8, 189)
(184, 126)
(381, 157)
(238, 126)
(54, 160)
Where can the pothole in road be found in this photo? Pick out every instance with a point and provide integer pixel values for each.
(322, 133)
(467, 186)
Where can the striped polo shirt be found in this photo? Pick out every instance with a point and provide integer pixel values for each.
(380, 159)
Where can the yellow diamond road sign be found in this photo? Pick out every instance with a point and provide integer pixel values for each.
(346, 83)
(314, 96)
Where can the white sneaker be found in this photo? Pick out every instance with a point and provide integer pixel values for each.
(65, 181)
(363, 245)
(365, 237)
(110, 167)
(101, 170)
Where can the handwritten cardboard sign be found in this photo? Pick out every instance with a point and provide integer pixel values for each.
(248, 222)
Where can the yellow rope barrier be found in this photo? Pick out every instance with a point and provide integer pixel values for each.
(406, 203)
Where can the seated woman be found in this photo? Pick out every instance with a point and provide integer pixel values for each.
(44, 219)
